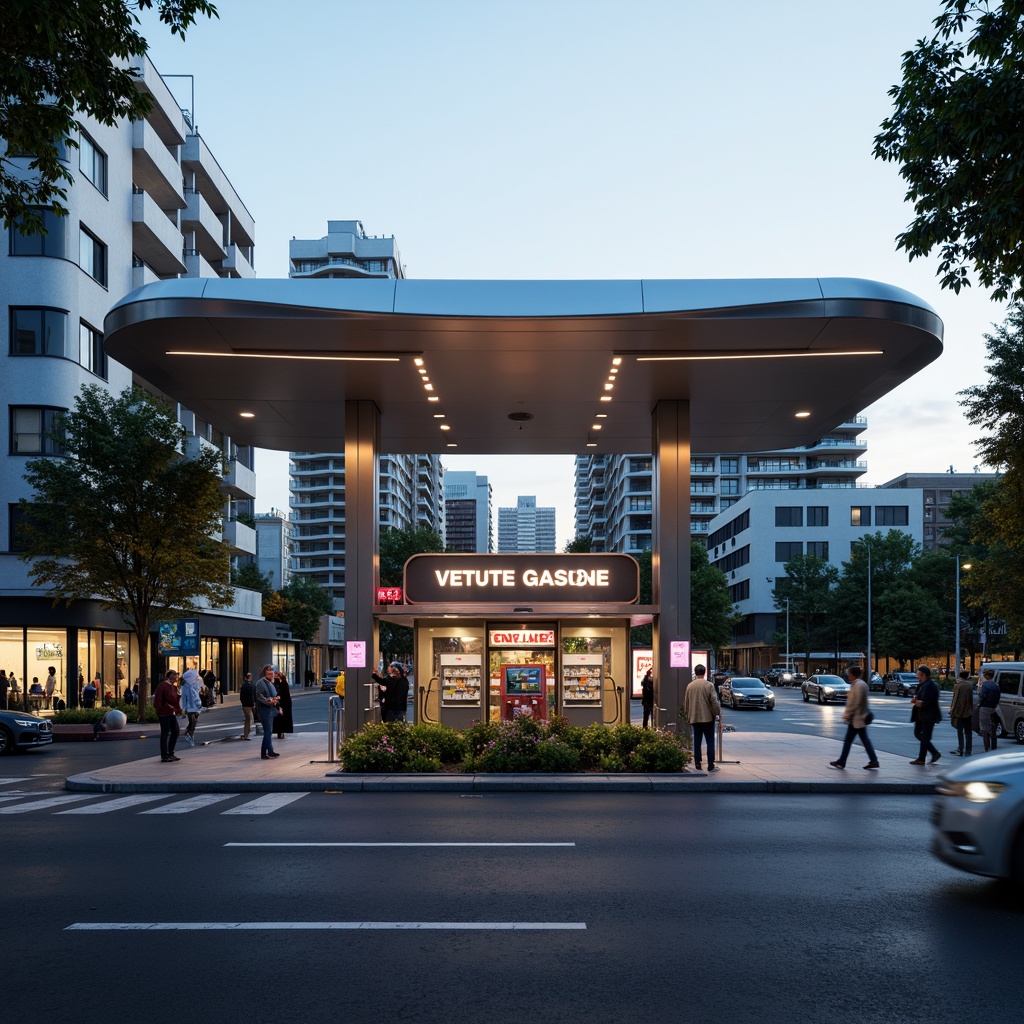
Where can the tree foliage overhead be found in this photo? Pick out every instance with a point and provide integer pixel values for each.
(60, 59)
(304, 603)
(957, 132)
(398, 546)
(124, 517)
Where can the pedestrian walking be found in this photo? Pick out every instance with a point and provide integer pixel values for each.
(961, 714)
(266, 702)
(647, 697)
(988, 701)
(4, 684)
(247, 696)
(50, 685)
(925, 714)
(702, 709)
(191, 703)
(857, 715)
(168, 707)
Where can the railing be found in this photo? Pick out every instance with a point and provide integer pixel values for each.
(335, 720)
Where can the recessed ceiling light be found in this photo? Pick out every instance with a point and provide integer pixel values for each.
(438, 415)
(452, 444)
(602, 415)
(617, 360)
(247, 415)
(591, 444)
(596, 426)
(606, 398)
(608, 387)
(433, 398)
(445, 426)
(418, 361)
(802, 415)
(428, 387)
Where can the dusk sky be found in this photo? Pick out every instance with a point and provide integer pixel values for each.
(585, 139)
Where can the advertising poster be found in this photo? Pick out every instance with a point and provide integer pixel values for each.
(179, 638)
(643, 659)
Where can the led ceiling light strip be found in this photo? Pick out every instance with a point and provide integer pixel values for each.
(304, 356)
(712, 356)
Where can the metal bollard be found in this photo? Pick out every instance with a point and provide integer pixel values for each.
(335, 721)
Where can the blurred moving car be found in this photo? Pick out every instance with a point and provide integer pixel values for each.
(22, 731)
(1010, 680)
(825, 688)
(746, 692)
(876, 682)
(781, 674)
(978, 817)
(902, 684)
(329, 680)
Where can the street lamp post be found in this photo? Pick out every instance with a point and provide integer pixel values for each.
(867, 548)
(966, 565)
(789, 657)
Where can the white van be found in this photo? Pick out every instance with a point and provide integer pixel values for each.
(1010, 677)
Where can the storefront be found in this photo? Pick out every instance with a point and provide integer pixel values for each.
(520, 635)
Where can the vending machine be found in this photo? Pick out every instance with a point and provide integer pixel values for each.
(583, 687)
(461, 676)
(523, 692)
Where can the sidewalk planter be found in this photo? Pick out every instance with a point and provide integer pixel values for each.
(523, 745)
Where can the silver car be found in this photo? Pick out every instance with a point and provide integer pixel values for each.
(825, 688)
(978, 816)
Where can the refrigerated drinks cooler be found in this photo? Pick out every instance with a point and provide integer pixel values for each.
(523, 692)
(583, 687)
(461, 679)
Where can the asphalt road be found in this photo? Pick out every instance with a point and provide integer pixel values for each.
(703, 907)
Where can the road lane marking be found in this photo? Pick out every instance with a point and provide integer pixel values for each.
(119, 804)
(399, 844)
(41, 805)
(192, 803)
(261, 926)
(11, 782)
(265, 804)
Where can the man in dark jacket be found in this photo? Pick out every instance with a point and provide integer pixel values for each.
(926, 714)
(394, 693)
(247, 695)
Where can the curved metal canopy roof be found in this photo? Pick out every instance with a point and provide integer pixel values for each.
(521, 367)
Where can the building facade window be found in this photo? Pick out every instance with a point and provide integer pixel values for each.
(31, 427)
(786, 550)
(38, 331)
(92, 255)
(860, 515)
(789, 515)
(818, 548)
(90, 350)
(730, 465)
(52, 243)
(892, 515)
(729, 487)
(92, 162)
(817, 515)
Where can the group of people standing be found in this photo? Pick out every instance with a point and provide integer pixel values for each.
(269, 700)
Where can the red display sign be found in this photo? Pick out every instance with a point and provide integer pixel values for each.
(389, 595)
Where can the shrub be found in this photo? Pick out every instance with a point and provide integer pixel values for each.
(380, 747)
(422, 763)
(437, 742)
(661, 753)
(513, 748)
(86, 716)
(596, 743)
(554, 755)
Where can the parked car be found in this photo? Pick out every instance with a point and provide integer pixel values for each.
(1010, 679)
(21, 731)
(825, 688)
(876, 682)
(781, 674)
(978, 817)
(329, 680)
(902, 684)
(746, 692)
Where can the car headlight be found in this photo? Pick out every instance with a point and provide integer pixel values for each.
(975, 792)
(828, 690)
(25, 722)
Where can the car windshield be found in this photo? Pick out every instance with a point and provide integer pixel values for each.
(747, 684)
(907, 677)
(831, 681)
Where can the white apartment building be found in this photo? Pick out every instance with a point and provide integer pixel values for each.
(411, 486)
(274, 547)
(148, 202)
(467, 512)
(526, 527)
(613, 492)
(752, 541)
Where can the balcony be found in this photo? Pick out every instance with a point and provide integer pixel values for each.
(199, 219)
(196, 445)
(141, 274)
(196, 265)
(213, 183)
(155, 169)
(156, 240)
(235, 263)
(241, 539)
(239, 480)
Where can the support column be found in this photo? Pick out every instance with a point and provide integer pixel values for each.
(362, 558)
(670, 552)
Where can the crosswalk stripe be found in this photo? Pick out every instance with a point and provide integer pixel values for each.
(12, 781)
(265, 804)
(42, 805)
(192, 803)
(117, 805)
(7, 799)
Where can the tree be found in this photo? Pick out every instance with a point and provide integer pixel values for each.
(808, 586)
(909, 623)
(305, 603)
(123, 518)
(60, 59)
(580, 545)
(711, 608)
(250, 578)
(396, 548)
(957, 132)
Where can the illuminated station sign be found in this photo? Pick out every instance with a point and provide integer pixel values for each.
(527, 579)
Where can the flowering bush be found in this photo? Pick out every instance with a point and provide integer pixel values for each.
(522, 745)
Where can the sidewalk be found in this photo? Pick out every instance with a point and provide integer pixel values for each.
(767, 763)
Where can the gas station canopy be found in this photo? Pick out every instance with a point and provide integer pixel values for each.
(524, 367)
